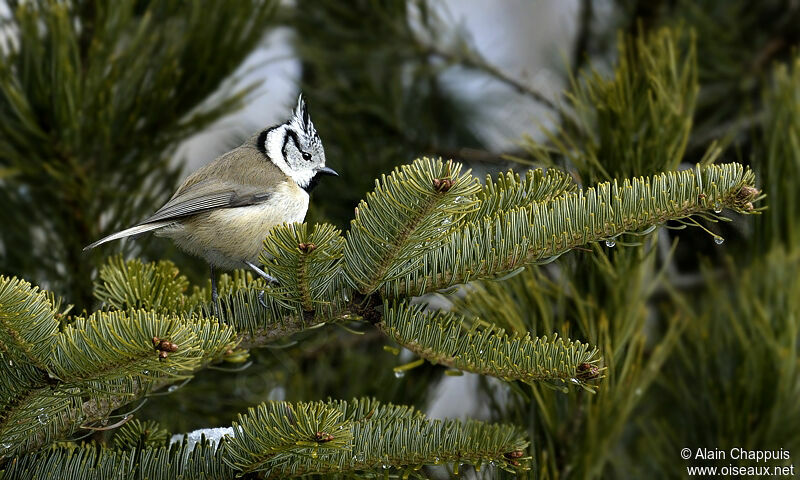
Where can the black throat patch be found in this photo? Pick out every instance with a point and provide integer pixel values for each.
(312, 184)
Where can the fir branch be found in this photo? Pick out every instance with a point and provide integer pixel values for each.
(257, 313)
(362, 436)
(133, 284)
(34, 418)
(282, 440)
(274, 436)
(442, 338)
(27, 323)
(139, 434)
(63, 422)
(160, 287)
(541, 232)
(510, 191)
(180, 461)
(306, 265)
(404, 217)
(16, 378)
(31, 408)
(102, 363)
(136, 344)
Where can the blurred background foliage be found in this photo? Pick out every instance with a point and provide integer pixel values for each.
(699, 340)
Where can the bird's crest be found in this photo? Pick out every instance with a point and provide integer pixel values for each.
(302, 120)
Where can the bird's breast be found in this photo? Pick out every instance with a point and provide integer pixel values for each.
(226, 237)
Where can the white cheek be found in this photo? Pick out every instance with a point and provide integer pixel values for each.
(274, 149)
(302, 178)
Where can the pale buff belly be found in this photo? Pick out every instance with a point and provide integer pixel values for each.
(228, 237)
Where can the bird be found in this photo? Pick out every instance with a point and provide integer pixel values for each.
(223, 211)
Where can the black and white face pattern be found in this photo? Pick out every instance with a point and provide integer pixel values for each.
(295, 148)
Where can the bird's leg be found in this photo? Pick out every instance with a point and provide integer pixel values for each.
(266, 276)
(214, 293)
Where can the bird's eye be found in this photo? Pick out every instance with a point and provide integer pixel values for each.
(306, 156)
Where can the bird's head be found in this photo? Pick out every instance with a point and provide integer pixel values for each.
(295, 148)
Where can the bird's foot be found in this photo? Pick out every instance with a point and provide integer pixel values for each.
(261, 273)
(269, 278)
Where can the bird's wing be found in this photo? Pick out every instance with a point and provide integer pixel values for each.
(204, 196)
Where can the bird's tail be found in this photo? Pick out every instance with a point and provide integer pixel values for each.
(128, 232)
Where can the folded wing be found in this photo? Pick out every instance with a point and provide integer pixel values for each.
(198, 198)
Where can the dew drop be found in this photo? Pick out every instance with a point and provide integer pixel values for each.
(5, 446)
(717, 208)
(719, 240)
(385, 467)
(436, 460)
(172, 388)
(42, 418)
(11, 363)
(610, 243)
(399, 374)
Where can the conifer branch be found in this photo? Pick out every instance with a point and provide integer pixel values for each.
(34, 417)
(442, 338)
(408, 214)
(282, 440)
(543, 231)
(177, 461)
(132, 284)
(27, 323)
(274, 436)
(306, 265)
(510, 191)
(138, 434)
(114, 345)
(364, 435)
(109, 358)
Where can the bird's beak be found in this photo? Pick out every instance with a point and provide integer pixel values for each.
(328, 171)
